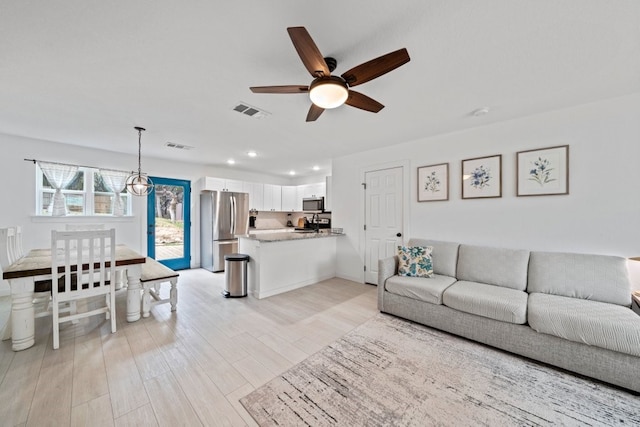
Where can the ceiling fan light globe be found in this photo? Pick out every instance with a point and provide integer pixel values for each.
(329, 92)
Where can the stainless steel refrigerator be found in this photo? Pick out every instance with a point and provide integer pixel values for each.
(223, 215)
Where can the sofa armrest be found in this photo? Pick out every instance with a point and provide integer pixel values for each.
(387, 267)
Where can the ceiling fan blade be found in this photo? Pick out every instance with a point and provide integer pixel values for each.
(280, 89)
(308, 51)
(376, 67)
(363, 102)
(314, 113)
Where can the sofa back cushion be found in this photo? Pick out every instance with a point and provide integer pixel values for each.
(444, 255)
(593, 277)
(493, 266)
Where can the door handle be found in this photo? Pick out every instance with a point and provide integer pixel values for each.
(399, 235)
(233, 215)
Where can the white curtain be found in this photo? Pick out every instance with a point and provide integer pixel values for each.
(59, 177)
(116, 182)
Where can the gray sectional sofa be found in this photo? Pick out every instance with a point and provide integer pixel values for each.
(569, 310)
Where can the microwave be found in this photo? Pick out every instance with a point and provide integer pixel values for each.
(313, 204)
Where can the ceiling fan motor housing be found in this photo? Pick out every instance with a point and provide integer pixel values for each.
(331, 63)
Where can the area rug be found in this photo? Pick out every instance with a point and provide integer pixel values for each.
(391, 371)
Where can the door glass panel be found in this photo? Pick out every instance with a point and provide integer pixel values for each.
(169, 222)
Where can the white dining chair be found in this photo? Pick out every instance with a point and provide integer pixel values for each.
(18, 250)
(83, 262)
(84, 227)
(10, 237)
(6, 259)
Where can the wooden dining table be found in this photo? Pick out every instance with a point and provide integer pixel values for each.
(35, 266)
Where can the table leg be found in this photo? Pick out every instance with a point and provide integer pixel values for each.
(146, 300)
(119, 279)
(133, 292)
(173, 294)
(22, 314)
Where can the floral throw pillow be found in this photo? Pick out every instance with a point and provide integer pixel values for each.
(415, 261)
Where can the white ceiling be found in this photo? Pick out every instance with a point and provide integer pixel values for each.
(85, 72)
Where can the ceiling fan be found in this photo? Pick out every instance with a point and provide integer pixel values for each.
(327, 91)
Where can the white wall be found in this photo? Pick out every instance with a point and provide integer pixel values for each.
(18, 204)
(600, 215)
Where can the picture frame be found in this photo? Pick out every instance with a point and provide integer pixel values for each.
(543, 171)
(433, 183)
(482, 177)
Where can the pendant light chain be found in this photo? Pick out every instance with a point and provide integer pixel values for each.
(140, 149)
(139, 184)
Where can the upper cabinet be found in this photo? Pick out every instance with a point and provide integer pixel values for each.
(213, 184)
(312, 190)
(290, 201)
(256, 194)
(234, 185)
(272, 197)
(220, 184)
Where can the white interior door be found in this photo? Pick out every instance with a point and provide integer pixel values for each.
(383, 217)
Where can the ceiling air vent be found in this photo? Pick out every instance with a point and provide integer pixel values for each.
(179, 146)
(250, 111)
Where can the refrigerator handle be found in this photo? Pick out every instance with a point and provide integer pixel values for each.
(233, 215)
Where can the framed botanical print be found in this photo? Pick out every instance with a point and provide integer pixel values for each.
(543, 171)
(482, 177)
(433, 183)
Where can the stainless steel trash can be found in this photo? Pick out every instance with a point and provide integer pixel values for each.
(235, 279)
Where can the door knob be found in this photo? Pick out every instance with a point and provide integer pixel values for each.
(399, 235)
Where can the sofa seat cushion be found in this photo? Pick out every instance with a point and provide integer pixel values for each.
(428, 289)
(494, 302)
(600, 324)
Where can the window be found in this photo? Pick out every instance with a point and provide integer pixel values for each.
(86, 195)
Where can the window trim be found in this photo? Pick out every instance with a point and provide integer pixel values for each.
(87, 192)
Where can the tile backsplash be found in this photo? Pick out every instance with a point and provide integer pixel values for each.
(266, 220)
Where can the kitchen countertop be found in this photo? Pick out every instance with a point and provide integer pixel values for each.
(284, 236)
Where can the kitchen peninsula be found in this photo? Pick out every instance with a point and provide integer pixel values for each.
(281, 262)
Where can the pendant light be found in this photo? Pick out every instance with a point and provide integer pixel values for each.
(139, 184)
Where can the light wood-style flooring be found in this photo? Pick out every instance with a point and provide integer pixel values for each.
(189, 367)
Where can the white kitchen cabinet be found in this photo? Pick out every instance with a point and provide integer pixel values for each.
(272, 197)
(233, 185)
(327, 197)
(312, 190)
(256, 194)
(221, 184)
(213, 184)
(290, 200)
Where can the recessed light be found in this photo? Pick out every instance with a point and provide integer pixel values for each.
(316, 168)
(251, 153)
(231, 161)
(292, 172)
